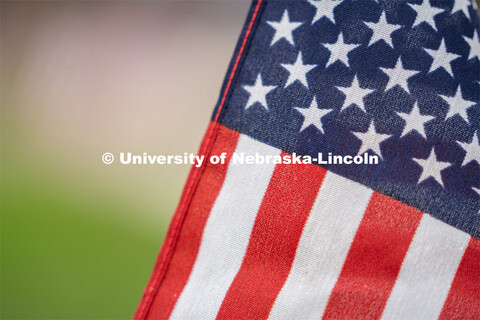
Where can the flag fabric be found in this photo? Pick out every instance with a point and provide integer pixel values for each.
(398, 239)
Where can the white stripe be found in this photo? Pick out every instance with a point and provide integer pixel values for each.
(322, 250)
(427, 271)
(226, 234)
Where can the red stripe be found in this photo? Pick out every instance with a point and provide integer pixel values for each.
(273, 242)
(463, 301)
(188, 243)
(191, 185)
(374, 260)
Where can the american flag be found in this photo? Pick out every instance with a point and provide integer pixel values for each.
(396, 240)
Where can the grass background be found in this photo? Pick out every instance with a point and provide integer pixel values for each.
(79, 238)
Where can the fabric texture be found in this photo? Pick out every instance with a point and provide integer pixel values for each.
(398, 239)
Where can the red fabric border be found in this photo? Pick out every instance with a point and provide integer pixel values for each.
(194, 177)
(190, 237)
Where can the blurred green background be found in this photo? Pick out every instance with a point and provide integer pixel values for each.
(79, 238)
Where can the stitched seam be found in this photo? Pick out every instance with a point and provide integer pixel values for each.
(190, 192)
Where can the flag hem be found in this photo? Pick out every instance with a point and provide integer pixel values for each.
(166, 252)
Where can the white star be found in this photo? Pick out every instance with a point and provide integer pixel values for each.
(474, 45)
(431, 167)
(382, 30)
(258, 93)
(477, 190)
(398, 75)
(461, 5)
(312, 116)
(457, 105)
(339, 50)
(425, 12)
(371, 140)
(324, 8)
(284, 29)
(354, 95)
(472, 150)
(414, 121)
(298, 71)
(442, 58)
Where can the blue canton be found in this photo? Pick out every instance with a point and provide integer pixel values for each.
(393, 78)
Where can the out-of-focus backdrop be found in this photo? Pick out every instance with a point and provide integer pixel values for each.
(79, 238)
